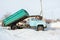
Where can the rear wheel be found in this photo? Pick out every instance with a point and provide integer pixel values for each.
(40, 27)
(13, 27)
(19, 27)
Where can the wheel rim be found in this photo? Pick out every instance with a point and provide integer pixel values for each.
(40, 28)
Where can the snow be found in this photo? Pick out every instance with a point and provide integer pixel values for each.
(29, 34)
(55, 24)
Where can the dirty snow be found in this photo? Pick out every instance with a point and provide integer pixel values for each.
(29, 34)
(55, 24)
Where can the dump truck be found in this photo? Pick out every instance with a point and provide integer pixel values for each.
(14, 18)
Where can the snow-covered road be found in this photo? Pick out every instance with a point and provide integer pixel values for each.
(29, 34)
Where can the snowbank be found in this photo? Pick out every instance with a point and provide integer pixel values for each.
(29, 34)
(55, 25)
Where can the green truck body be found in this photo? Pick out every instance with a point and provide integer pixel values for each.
(15, 17)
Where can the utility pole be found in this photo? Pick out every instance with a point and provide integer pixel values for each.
(41, 12)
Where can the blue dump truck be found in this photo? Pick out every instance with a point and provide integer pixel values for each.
(19, 16)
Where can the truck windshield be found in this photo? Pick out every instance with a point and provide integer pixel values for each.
(34, 19)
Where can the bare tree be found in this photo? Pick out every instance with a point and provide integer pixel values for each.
(6, 15)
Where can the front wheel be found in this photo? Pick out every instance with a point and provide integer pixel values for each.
(40, 27)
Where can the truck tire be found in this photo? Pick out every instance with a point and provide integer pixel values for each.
(40, 27)
(18, 27)
(13, 27)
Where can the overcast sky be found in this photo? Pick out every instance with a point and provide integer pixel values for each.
(51, 8)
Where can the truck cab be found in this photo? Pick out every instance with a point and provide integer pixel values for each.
(36, 23)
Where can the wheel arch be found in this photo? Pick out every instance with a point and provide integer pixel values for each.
(40, 25)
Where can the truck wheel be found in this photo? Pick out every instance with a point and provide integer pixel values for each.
(40, 27)
(13, 27)
(18, 27)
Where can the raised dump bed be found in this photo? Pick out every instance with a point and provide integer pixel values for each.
(14, 18)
